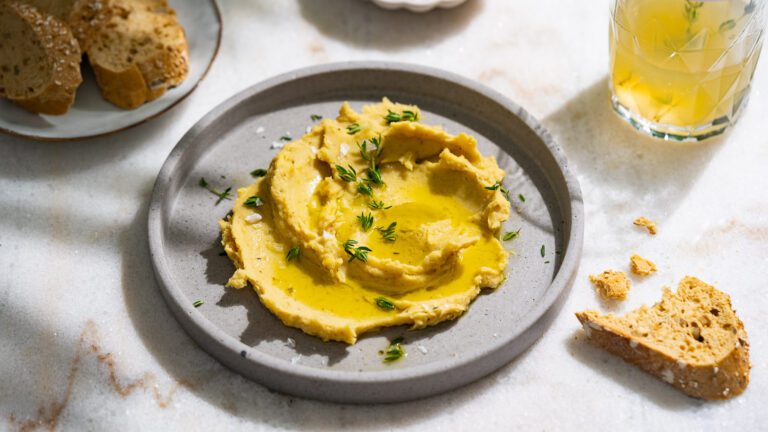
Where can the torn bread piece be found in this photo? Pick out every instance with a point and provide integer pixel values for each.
(641, 266)
(692, 339)
(648, 224)
(611, 284)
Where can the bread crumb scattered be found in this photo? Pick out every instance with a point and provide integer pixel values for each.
(648, 224)
(611, 284)
(641, 266)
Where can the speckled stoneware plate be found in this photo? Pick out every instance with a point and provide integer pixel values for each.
(92, 116)
(234, 327)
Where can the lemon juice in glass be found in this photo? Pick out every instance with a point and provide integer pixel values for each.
(681, 69)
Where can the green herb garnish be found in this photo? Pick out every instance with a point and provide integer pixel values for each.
(364, 189)
(254, 201)
(353, 128)
(316, 117)
(285, 138)
(378, 205)
(365, 151)
(385, 304)
(348, 175)
(198, 303)
(407, 115)
(366, 220)
(388, 233)
(498, 186)
(727, 25)
(542, 251)
(374, 176)
(395, 350)
(261, 172)
(521, 197)
(356, 252)
(510, 235)
(294, 253)
(222, 195)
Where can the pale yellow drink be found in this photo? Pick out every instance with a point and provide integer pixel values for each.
(682, 69)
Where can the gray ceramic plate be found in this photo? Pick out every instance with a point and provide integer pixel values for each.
(93, 116)
(232, 325)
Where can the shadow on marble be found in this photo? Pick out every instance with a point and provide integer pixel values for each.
(621, 170)
(28, 159)
(613, 368)
(364, 24)
(199, 373)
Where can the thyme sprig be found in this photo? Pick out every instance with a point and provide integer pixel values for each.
(388, 233)
(366, 221)
(356, 252)
(395, 350)
(378, 205)
(226, 194)
(347, 174)
(407, 115)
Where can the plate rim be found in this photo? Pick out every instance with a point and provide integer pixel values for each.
(199, 328)
(33, 137)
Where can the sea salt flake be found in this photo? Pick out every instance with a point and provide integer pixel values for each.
(253, 218)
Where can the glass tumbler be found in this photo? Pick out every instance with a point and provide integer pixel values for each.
(682, 69)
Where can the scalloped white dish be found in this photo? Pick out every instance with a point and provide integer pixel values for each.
(418, 5)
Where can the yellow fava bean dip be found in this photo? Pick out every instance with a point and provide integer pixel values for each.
(368, 221)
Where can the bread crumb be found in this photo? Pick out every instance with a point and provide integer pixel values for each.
(641, 266)
(648, 224)
(611, 284)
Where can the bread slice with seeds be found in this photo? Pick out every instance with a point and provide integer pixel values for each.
(39, 59)
(139, 53)
(691, 339)
(84, 17)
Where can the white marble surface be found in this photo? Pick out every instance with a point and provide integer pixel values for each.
(87, 342)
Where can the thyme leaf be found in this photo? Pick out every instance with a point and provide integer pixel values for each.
(294, 253)
(254, 201)
(510, 235)
(354, 128)
(364, 189)
(385, 304)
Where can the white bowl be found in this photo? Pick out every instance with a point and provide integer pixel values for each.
(418, 5)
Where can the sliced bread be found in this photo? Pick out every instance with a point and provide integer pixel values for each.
(139, 53)
(39, 59)
(84, 17)
(692, 340)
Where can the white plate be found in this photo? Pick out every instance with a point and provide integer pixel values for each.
(92, 116)
(418, 5)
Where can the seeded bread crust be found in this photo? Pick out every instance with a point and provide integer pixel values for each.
(721, 378)
(84, 17)
(139, 53)
(43, 75)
